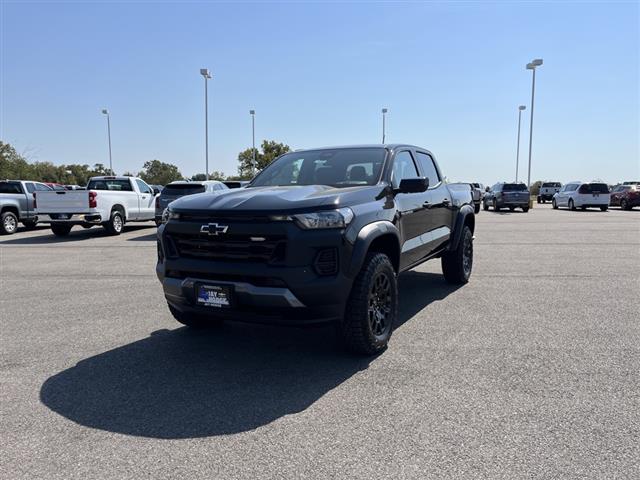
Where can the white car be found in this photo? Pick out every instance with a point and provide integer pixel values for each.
(583, 195)
(108, 201)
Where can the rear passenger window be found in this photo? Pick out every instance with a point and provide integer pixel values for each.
(10, 187)
(428, 168)
(403, 167)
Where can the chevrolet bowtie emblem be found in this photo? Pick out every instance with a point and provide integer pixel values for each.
(214, 229)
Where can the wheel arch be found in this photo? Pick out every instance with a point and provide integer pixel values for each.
(465, 217)
(11, 208)
(381, 236)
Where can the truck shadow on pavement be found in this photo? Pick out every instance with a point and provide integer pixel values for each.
(182, 383)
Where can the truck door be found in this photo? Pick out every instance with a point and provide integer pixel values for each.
(146, 201)
(439, 207)
(411, 209)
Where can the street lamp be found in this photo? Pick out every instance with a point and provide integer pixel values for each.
(205, 73)
(384, 114)
(253, 140)
(106, 112)
(532, 66)
(520, 109)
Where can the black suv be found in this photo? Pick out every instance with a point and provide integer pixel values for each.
(507, 195)
(318, 236)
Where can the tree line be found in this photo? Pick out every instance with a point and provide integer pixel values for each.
(154, 172)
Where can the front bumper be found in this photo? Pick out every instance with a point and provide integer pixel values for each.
(287, 291)
(68, 218)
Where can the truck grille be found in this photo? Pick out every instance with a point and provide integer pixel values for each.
(236, 248)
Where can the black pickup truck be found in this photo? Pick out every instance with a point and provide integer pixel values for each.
(318, 236)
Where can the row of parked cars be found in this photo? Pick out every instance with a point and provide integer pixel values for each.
(107, 201)
(572, 195)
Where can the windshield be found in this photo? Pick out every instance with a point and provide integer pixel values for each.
(340, 167)
(183, 189)
(551, 185)
(514, 187)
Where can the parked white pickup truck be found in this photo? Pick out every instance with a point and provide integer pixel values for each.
(107, 201)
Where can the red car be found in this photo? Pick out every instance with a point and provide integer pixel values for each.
(55, 186)
(625, 196)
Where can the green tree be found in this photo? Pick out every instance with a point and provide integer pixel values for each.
(270, 151)
(159, 173)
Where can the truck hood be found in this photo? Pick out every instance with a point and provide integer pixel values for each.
(278, 199)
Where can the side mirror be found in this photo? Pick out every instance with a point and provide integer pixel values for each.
(156, 190)
(413, 185)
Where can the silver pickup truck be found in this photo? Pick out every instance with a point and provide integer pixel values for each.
(17, 204)
(108, 201)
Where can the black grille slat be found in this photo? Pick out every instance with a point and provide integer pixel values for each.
(230, 247)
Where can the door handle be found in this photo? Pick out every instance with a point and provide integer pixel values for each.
(144, 196)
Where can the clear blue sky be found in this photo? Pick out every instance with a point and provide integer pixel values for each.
(451, 74)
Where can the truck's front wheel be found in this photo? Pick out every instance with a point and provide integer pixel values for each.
(457, 264)
(372, 307)
(8, 223)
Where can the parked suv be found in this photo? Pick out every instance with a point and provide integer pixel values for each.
(625, 196)
(318, 236)
(17, 204)
(178, 189)
(583, 195)
(507, 195)
(548, 190)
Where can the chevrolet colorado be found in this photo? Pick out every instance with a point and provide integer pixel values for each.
(319, 235)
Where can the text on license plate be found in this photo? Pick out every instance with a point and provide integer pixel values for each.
(218, 296)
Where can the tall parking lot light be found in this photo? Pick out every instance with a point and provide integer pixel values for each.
(532, 66)
(384, 124)
(520, 109)
(106, 112)
(205, 73)
(253, 141)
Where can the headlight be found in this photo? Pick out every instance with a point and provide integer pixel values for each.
(168, 214)
(325, 219)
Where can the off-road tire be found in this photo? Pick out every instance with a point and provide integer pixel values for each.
(454, 266)
(115, 224)
(8, 223)
(60, 229)
(193, 320)
(356, 332)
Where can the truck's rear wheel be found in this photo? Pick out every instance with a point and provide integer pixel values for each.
(115, 224)
(60, 229)
(194, 321)
(476, 208)
(457, 264)
(8, 223)
(372, 307)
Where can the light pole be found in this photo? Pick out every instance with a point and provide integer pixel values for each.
(520, 109)
(106, 112)
(205, 73)
(532, 66)
(253, 140)
(384, 124)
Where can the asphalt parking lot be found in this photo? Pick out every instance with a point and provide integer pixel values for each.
(531, 370)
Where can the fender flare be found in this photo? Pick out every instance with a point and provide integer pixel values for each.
(460, 220)
(119, 206)
(365, 238)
